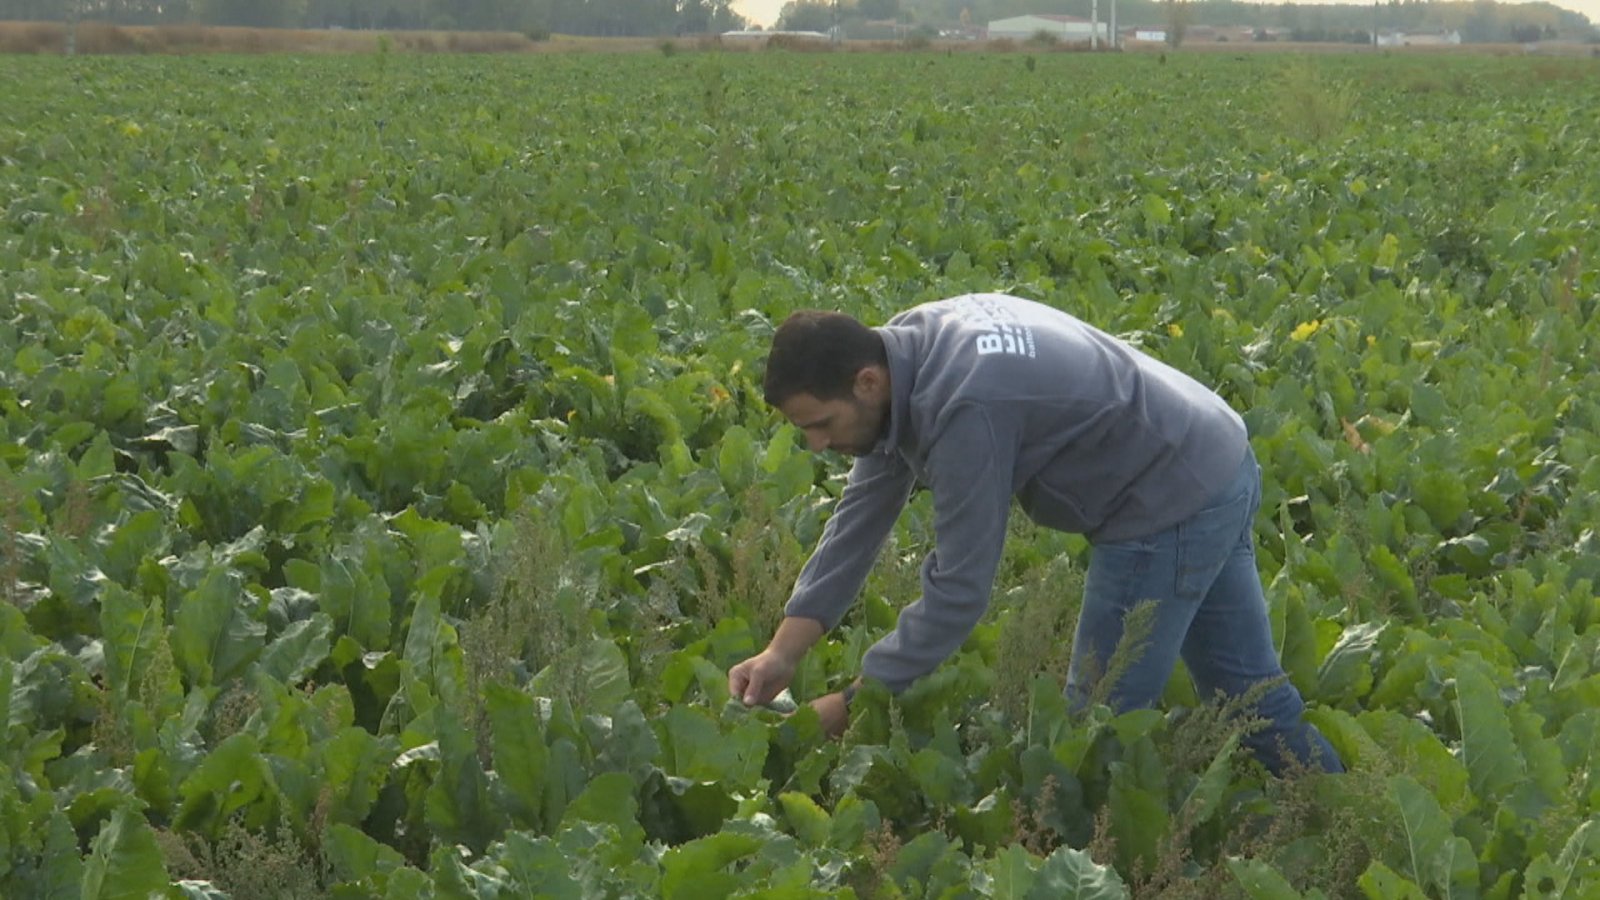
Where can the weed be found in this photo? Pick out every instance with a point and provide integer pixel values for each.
(1200, 735)
(231, 711)
(1312, 107)
(872, 881)
(246, 865)
(1034, 633)
(110, 731)
(1136, 628)
(11, 524)
(1028, 826)
(749, 573)
(539, 609)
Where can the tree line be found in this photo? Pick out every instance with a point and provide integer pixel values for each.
(618, 18)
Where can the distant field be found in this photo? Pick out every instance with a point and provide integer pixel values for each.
(101, 38)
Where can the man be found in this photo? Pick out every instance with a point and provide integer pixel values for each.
(985, 397)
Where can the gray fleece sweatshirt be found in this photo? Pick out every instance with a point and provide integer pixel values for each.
(994, 397)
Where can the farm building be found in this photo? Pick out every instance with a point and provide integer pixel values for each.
(1066, 28)
(1418, 38)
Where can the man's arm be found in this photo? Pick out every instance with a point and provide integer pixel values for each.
(970, 470)
(873, 497)
(828, 584)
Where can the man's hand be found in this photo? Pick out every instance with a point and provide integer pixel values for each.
(834, 713)
(761, 677)
(764, 676)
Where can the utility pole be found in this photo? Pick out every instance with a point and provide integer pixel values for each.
(1113, 34)
(1094, 24)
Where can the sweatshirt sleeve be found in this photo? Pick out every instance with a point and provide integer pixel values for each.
(874, 495)
(970, 475)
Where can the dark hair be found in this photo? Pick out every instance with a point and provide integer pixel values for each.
(818, 352)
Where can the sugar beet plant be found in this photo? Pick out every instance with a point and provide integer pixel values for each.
(386, 486)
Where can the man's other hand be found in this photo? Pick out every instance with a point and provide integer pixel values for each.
(834, 713)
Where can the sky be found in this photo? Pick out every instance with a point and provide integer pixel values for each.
(765, 12)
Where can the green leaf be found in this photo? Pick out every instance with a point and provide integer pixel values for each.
(298, 650)
(941, 779)
(539, 867)
(216, 632)
(601, 679)
(690, 872)
(1069, 874)
(608, 799)
(809, 822)
(232, 777)
(1434, 855)
(1011, 873)
(520, 757)
(631, 747)
(1422, 756)
(1261, 881)
(355, 856)
(458, 806)
(1545, 880)
(1494, 764)
(1156, 210)
(1543, 755)
(1379, 882)
(736, 460)
(1138, 801)
(1206, 798)
(853, 819)
(124, 862)
(355, 767)
(695, 748)
(357, 602)
(132, 630)
(1346, 673)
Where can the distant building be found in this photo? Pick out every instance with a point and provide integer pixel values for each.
(1418, 38)
(754, 34)
(1066, 28)
(1155, 35)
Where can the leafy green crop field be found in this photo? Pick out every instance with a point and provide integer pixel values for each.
(387, 487)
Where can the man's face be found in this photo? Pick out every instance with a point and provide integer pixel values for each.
(850, 425)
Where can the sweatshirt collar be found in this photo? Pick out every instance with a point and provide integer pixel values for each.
(901, 375)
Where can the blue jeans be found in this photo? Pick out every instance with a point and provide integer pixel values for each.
(1210, 608)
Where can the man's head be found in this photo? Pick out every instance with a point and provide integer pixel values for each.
(829, 374)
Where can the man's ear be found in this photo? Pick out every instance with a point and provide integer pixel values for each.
(870, 383)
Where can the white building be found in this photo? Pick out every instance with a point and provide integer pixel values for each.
(1154, 35)
(1066, 28)
(1418, 38)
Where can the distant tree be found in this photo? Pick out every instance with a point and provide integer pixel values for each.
(724, 18)
(799, 15)
(1289, 16)
(878, 9)
(1178, 17)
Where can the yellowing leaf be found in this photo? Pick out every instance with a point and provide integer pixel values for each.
(1388, 251)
